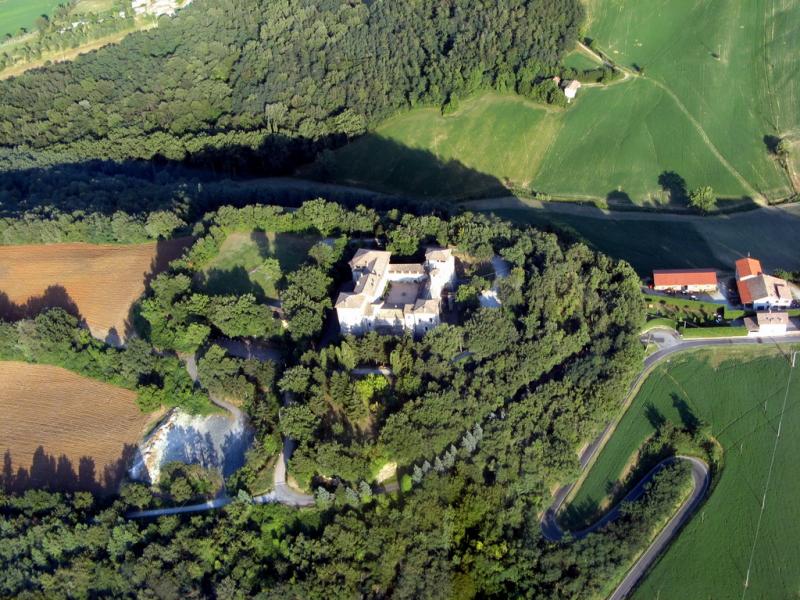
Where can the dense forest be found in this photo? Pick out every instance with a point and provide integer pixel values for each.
(482, 416)
(262, 86)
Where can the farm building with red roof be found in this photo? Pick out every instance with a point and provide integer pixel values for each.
(685, 280)
(758, 290)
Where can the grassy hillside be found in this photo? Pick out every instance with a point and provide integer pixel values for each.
(504, 137)
(616, 142)
(712, 86)
(719, 59)
(740, 394)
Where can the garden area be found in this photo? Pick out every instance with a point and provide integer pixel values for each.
(254, 262)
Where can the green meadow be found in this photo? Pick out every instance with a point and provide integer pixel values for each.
(492, 139)
(740, 394)
(712, 85)
(245, 263)
(22, 13)
(579, 61)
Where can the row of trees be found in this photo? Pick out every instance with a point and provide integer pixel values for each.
(65, 29)
(55, 337)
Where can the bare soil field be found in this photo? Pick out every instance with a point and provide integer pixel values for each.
(97, 283)
(65, 431)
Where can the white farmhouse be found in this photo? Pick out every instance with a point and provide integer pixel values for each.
(571, 89)
(395, 297)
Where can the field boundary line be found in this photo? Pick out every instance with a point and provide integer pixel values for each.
(704, 136)
(766, 485)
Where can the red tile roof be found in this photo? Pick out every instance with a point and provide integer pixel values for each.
(745, 267)
(745, 297)
(676, 277)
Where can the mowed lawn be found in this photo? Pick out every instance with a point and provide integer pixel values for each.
(740, 393)
(22, 13)
(492, 140)
(730, 64)
(239, 266)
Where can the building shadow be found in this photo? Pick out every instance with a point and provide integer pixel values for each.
(60, 474)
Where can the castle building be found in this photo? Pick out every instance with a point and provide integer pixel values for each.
(393, 298)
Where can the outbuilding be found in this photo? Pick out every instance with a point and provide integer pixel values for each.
(685, 280)
(768, 323)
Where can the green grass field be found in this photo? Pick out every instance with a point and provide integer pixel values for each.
(740, 393)
(579, 61)
(239, 266)
(22, 13)
(616, 141)
(720, 81)
(719, 61)
(491, 139)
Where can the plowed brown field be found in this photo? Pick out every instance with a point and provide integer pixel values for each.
(65, 430)
(99, 283)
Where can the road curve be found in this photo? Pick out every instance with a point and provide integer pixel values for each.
(550, 529)
(658, 545)
(554, 533)
(283, 494)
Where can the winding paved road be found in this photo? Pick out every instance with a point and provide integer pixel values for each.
(284, 494)
(553, 532)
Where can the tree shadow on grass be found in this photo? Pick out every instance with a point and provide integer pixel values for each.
(690, 421)
(771, 142)
(675, 186)
(235, 280)
(579, 515)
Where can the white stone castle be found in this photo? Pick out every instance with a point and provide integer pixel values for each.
(395, 297)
